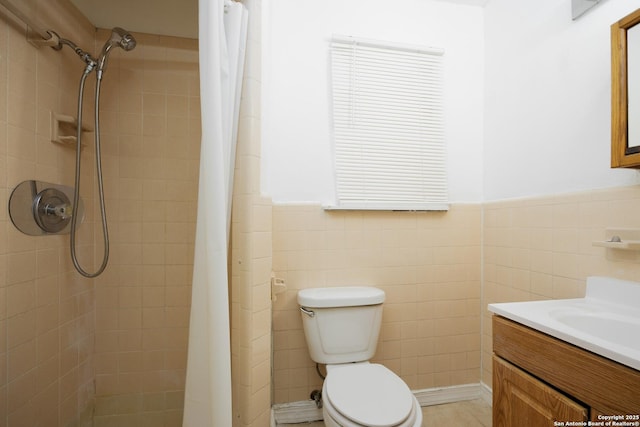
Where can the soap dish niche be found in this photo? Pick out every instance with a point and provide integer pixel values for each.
(64, 130)
(621, 238)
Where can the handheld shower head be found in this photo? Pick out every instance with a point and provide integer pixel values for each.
(120, 38)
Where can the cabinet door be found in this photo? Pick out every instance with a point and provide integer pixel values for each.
(522, 400)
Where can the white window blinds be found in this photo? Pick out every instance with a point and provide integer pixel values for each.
(388, 126)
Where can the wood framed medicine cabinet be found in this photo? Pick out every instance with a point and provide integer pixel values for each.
(625, 92)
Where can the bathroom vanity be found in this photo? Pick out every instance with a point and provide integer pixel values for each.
(541, 379)
(561, 362)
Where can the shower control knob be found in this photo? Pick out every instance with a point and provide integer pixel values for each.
(41, 208)
(52, 210)
(63, 211)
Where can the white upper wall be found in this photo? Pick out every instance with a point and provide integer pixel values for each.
(527, 92)
(547, 100)
(296, 141)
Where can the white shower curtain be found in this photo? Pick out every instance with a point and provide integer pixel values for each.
(222, 33)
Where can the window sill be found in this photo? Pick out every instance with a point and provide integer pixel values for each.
(396, 207)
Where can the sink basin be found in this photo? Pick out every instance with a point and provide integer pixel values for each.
(606, 321)
(608, 326)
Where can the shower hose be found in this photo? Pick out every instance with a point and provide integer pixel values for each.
(76, 193)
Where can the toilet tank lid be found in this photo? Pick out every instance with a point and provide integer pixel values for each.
(348, 296)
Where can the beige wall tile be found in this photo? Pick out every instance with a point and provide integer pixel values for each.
(561, 255)
(421, 262)
(431, 334)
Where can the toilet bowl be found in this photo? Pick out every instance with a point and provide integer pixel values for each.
(364, 394)
(341, 327)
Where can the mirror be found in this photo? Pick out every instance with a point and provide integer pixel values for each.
(625, 92)
(633, 89)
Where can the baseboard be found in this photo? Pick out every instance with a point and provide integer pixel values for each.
(296, 412)
(440, 395)
(486, 394)
(306, 410)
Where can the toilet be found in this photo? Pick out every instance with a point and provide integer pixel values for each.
(341, 327)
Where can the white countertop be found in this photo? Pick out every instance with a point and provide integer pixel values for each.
(606, 321)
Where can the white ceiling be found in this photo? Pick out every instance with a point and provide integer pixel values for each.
(166, 17)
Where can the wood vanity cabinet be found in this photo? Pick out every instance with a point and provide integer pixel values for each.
(525, 400)
(542, 381)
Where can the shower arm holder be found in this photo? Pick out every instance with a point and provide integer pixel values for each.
(36, 35)
(39, 41)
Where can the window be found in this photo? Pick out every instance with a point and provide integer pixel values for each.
(388, 131)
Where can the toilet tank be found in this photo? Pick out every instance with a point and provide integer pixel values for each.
(341, 324)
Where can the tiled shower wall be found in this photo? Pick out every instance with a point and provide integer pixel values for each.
(46, 309)
(151, 147)
(428, 264)
(116, 343)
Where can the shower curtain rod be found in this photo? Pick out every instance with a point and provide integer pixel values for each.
(48, 38)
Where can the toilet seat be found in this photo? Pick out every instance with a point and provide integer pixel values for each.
(334, 419)
(369, 395)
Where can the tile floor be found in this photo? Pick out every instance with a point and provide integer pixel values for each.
(470, 413)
